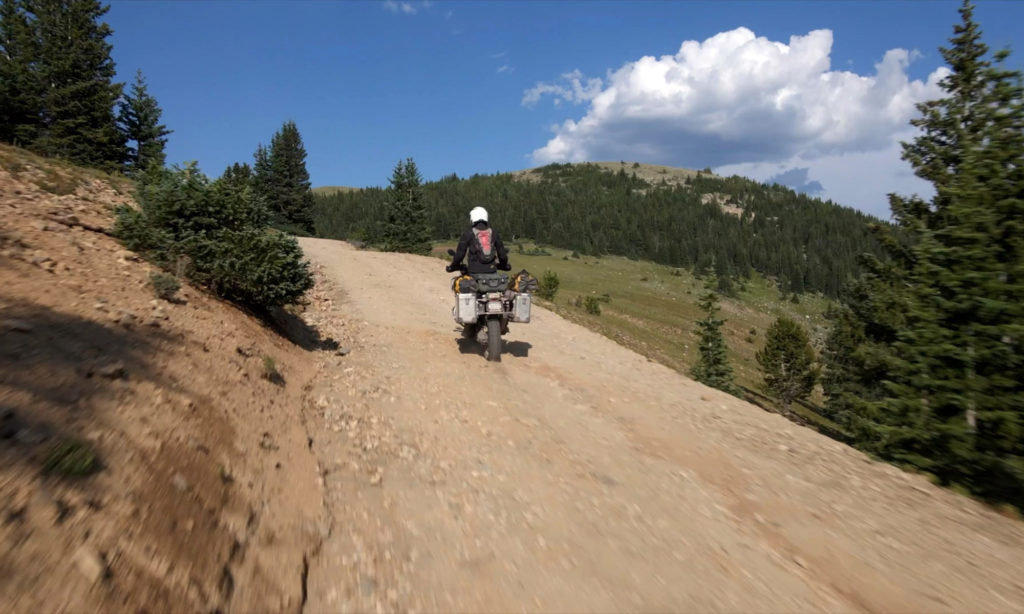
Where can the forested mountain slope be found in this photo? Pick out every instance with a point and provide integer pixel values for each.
(732, 225)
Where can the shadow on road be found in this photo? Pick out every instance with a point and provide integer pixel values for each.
(295, 329)
(519, 349)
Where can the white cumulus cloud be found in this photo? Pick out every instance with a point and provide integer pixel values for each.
(737, 99)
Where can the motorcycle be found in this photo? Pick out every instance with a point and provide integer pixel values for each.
(485, 309)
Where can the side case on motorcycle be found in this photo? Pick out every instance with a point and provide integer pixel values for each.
(521, 308)
(465, 308)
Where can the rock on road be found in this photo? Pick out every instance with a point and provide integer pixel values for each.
(576, 475)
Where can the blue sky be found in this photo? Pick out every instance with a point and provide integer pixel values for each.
(817, 93)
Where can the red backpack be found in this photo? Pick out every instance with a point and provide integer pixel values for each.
(484, 245)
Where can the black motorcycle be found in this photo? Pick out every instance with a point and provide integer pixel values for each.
(485, 303)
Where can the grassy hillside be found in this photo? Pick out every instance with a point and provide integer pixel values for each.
(653, 308)
(651, 173)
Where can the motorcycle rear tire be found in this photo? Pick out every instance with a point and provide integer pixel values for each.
(493, 350)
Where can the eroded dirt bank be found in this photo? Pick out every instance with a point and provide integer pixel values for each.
(577, 475)
(208, 497)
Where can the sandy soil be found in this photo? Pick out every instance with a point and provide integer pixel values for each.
(207, 496)
(578, 476)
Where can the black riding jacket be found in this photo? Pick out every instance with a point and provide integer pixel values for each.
(467, 243)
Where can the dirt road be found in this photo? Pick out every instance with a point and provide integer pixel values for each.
(578, 476)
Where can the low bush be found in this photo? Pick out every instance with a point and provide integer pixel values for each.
(548, 286)
(220, 232)
(165, 285)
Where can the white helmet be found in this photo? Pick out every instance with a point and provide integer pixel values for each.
(478, 214)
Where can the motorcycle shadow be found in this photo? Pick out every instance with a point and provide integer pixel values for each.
(519, 349)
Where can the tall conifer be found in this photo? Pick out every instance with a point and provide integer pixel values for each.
(406, 227)
(787, 362)
(292, 199)
(712, 366)
(21, 92)
(76, 68)
(139, 119)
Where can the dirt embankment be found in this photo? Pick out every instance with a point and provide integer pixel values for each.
(207, 495)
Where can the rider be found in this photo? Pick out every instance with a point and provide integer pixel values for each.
(484, 247)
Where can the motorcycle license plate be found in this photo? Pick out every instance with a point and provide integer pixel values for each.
(494, 307)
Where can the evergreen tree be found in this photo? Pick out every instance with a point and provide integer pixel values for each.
(21, 92)
(182, 213)
(955, 402)
(787, 362)
(406, 227)
(291, 199)
(712, 367)
(139, 120)
(238, 179)
(262, 176)
(78, 120)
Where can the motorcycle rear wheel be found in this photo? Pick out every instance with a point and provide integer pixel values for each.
(493, 349)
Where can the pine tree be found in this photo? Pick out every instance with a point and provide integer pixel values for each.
(857, 357)
(291, 199)
(239, 180)
(956, 396)
(787, 362)
(139, 120)
(262, 176)
(21, 91)
(79, 97)
(712, 367)
(406, 227)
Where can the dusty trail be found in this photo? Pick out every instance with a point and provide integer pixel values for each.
(577, 475)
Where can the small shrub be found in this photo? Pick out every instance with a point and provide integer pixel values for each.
(676, 273)
(270, 372)
(71, 457)
(165, 285)
(605, 298)
(592, 305)
(576, 254)
(548, 286)
(576, 301)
